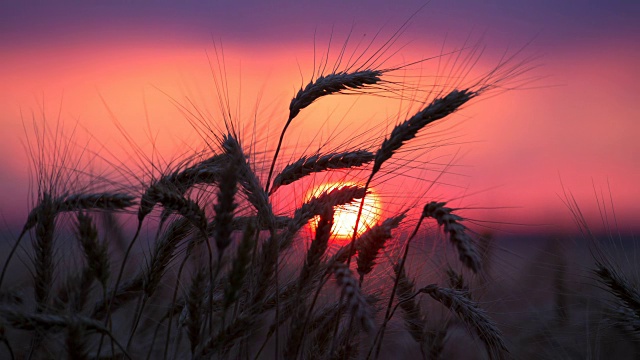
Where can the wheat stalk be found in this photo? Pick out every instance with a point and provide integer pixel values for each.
(76, 342)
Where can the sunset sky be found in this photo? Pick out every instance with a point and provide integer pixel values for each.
(576, 123)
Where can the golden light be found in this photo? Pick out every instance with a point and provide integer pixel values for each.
(344, 218)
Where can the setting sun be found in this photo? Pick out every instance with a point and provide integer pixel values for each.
(344, 218)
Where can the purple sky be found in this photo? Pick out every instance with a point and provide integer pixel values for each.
(559, 22)
(580, 125)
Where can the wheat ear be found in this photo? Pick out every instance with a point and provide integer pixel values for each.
(98, 267)
(43, 245)
(160, 193)
(332, 84)
(356, 303)
(64, 203)
(43, 321)
(205, 172)
(317, 204)
(169, 199)
(97, 201)
(320, 331)
(471, 314)
(306, 281)
(225, 206)
(457, 233)
(248, 179)
(372, 241)
(619, 286)
(81, 201)
(324, 85)
(438, 109)
(194, 309)
(147, 281)
(96, 253)
(430, 341)
(240, 266)
(317, 163)
(164, 251)
(257, 196)
(302, 215)
(313, 207)
(377, 341)
(411, 312)
(352, 295)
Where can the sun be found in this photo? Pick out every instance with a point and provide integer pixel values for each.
(344, 218)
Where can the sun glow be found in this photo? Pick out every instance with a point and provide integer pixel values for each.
(344, 218)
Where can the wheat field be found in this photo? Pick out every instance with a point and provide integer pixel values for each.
(214, 267)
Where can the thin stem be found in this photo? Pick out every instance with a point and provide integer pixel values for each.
(118, 279)
(275, 156)
(13, 250)
(377, 342)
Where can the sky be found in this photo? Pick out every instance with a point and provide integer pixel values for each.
(570, 124)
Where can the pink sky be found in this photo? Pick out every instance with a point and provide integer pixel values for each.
(577, 125)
